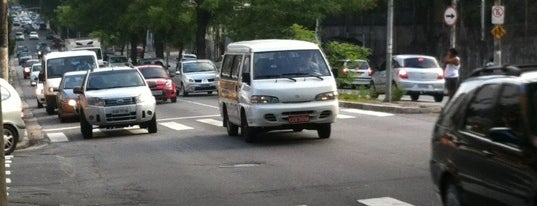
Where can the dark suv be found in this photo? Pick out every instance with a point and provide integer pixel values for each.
(484, 144)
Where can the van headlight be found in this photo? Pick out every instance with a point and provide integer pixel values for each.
(143, 98)
(326, 96)
(95, 101)
(262, 99)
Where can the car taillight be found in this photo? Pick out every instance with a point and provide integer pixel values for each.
(169, 84)
(403, 74)
(440, 74)
(369, 72)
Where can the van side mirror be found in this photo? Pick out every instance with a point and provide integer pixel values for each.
(77, 90)
(41, 76)
(246, 78)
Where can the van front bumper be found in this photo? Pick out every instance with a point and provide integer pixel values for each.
(286, 115)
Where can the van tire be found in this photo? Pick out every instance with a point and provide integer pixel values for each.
(324, 131)
(50, 109)
(452, 195)
(174, 99)
(232, 129)
(39, 105)
(249, 133)
(85, 127)
(438, 97)
(414, 97)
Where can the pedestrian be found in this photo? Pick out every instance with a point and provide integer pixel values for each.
(452, 62)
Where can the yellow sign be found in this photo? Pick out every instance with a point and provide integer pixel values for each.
(498, 32)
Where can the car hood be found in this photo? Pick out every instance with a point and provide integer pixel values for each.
(287, 91)
(118, 92)
(68, 94)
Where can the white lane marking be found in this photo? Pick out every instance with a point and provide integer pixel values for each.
(383, 201)
(201, 104)
(8, 165)
(175, 126)
(8, 161)
(211, 122)
(367, 112)
(8, 172)
(342, 116)
(57, 137)
(133, 130)
(191, 117)
(8, 157)
(8, 180)
(60, 129)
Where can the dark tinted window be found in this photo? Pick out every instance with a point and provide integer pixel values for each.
(154, 72)
(357, 64)
(226, 66)
(236, 67)
(481, 116)
(509, 111)
(189, 67)
(72, 81)
(532, 98)
(114, 79)
(420, 63)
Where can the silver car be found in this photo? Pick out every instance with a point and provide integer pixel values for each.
(198, 75)
(415, 74)
(34, 74)
(14, 127)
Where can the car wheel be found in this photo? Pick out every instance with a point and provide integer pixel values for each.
(451, 195)
(298, 130)
(182, 91)
(39, 105)
(152, 124)
(249, 133)
(414, 97)
(85, 127)
(438, 97)
(373, 91)
(11, 137)
(210, 92)
(50, 109)
(324, 131)
(173, 99)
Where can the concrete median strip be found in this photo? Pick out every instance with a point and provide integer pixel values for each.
(383, 201)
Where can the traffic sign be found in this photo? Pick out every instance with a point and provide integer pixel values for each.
(498, 14)
(498, 32)
(450, 16)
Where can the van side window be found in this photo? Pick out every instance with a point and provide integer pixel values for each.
(236, 67)
(246, 65)
(226, 66)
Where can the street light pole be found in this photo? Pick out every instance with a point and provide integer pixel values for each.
(389, 50)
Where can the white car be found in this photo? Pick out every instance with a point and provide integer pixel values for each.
(198, 75)
(14, 127)
(34, 35)
(34, 74)
(19, 36)
(40, 95)
(116, 97)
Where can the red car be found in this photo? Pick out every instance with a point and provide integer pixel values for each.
(166, 88)
(27, 67)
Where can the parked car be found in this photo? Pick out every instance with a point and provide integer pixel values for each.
(14, 126)
(34, 35)
(40, 95)
(359, 72)
(116, 97)
(114, 61)
(19, 36)
(415, 74)
(27, 67)
(483, 143)
(34, 74)
(67, 99)
(166, 88)
(198, 75)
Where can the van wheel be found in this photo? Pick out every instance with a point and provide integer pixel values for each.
(324, 131)
(39, 105)
(152, 125)
(50, 109)
(249, 133)
(373, 91)
(451, 195)
(232, 129)
(11, 137)
(85, 128)
(438, 97)
(414, 97)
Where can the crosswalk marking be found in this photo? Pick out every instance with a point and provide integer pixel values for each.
(57, 137)
(8, 172)
(8, 180)
(175, 126)
(211, 122)
(367, 112)
(343, 116)
(383, 201)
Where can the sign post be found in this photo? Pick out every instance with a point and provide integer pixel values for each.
(497, 18)
(450, 19)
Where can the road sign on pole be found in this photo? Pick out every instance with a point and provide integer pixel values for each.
(450, 16)
(498, 32)
(498, 14)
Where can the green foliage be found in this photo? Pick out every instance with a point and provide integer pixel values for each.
(302, 33)
(397, 93)
(363, 92)
(337, 51)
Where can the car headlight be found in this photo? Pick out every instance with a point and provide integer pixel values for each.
(262, 99)
(26, 69)
(190, 80)
(144, 98)
(95, 101)
(326, 96)
(71, 102)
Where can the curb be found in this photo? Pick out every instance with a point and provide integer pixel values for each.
(391, 108)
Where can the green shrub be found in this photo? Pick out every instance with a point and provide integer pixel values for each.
(397, 93)
(363, 92)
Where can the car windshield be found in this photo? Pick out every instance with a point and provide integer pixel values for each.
(289, 64)
(532, 97)
(118, 59)
(36, 67)
(72, 81)
(198, 67)
(114, 79)
(57, 67)
(420, 62)
(154, 72)
(357, 64)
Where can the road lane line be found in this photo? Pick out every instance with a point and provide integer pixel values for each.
(8, 165)
(383, 201)
(8, 157)
(8, 172)
(175, 126)
(201, 104)
(342, 116)
(8, 181)
(8, 161)
(57, 137)
(367, 112)
(211, 122)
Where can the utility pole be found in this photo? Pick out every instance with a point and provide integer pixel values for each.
(389, 50)
(497, 43)
(483, 20)
(453, 36)
(4, 62)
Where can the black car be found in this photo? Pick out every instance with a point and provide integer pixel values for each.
(484, 144)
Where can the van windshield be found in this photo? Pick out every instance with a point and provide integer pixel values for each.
(57, 67)
(289, 64)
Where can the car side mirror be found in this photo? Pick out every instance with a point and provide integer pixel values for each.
(41, 76)
(78, 90)
(152, 84)
(503, 135)
(246, 78)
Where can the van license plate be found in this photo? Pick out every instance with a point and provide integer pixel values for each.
(297, 119)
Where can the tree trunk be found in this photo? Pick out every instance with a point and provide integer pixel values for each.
(134, 51)
(202, 17)
(158, 44)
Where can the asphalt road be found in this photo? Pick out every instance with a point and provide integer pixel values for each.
(191, 161)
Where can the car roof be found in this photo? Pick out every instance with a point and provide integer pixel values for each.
(406, 56)
(75, 73)
(149, 66)
(196, 60)
(107, 69)
(265, 45)
(53, 55)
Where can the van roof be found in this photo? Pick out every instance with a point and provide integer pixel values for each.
(270, 45)
(54, 55)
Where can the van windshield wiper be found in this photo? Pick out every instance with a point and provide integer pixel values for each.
(316, 75)
(268, 76)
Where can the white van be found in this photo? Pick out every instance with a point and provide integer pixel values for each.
(276, 84)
